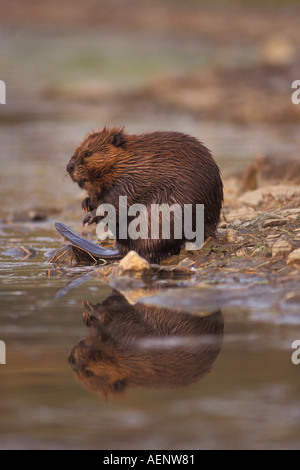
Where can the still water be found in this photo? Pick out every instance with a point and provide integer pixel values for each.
(123, 376)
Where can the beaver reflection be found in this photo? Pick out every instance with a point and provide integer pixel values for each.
(137, 345)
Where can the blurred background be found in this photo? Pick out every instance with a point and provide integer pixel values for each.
(220, 70)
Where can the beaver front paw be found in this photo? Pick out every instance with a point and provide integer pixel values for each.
(86, 205)
(93, 314)
(91, 218)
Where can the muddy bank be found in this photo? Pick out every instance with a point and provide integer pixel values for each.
(251, 94)
(257, 93)
(222, 21)
(231, 63)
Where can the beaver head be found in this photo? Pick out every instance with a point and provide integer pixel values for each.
(95, 165)
(98, 364)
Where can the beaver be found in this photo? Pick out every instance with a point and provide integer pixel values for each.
(153, 168)
(131, 346)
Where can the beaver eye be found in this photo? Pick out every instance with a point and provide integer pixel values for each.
(89, 373)
(88, 154)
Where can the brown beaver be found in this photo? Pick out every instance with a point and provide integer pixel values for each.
(131, 346)
(153, 168)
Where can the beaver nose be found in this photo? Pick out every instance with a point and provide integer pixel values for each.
(70, 167)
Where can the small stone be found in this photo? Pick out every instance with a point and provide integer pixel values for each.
(257, 251)
(270, 239)
(241, 252)
(292, 297)
(221, 233)
(247, 224)
(281, 248)
(270, 215)
(243, 213)
(294, 257)
(20, 252)
(232, 236)
(294, 217)
(134, 263)
(273, 222)
(236, 222)
(290, 212)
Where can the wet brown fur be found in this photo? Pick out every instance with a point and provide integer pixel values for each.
(128, 346)
(153, 168)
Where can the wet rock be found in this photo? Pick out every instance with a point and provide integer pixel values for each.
(241, 252)
(271, 239)
(59, 272)
(186, 263)
(20, 252)
(294, 257)
(221, 233)
(172, 271)
(232, 236)
(292, 298)
(291, 214)
(268, 220)
(246, 225)
(272, 236)
(243, 213)
(236, 223)
(270, 215)
(273, 222)
(133, 262)
(36, 214)
(281, 248)
(69, 255)
(257, 251)
(223, 225)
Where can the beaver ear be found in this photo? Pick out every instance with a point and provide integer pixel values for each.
(118, 139)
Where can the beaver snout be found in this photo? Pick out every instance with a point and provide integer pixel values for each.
(70, 167)
(71, 361)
